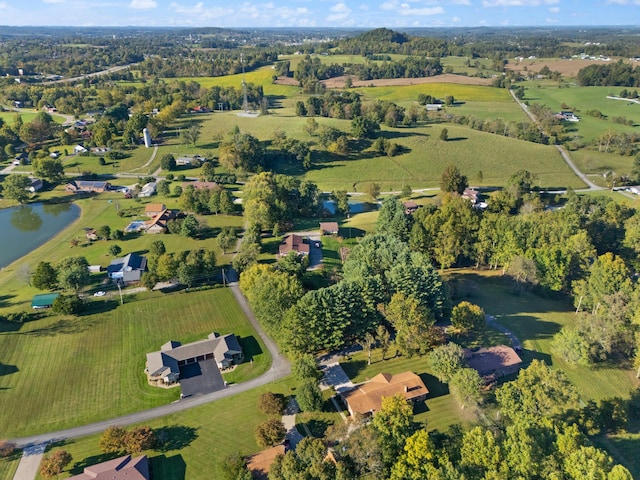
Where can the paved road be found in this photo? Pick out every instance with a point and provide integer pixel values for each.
(280, 368)
(563, 152)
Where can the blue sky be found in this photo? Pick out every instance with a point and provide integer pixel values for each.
(319, 13)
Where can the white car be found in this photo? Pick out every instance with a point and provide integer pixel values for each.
(101, 293)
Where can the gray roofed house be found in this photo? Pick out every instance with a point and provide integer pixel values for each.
(127, 269)
(165, 364)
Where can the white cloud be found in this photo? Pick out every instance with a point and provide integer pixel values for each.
(4, 6)
(554, 9)
(143, 4)
(53, 1)
(552, 20)
(624, 2)
(339, 13)
(456, 19)
(406, 10)
(199, 11)
(518, 3)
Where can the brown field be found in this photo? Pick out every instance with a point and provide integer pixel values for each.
(568, 67)
(338, 82)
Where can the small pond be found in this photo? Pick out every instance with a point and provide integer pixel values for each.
(25, 228)
(355, 206)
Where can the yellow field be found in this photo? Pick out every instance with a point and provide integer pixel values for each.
(462, 93)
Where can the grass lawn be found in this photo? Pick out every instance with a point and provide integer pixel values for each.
(594, 162)
(72, 371)
(425, 157)
(27, 116)
(9, 465)
(462, 93)
(586, 98)
(534, 320)
(197, 440)
(624, 448)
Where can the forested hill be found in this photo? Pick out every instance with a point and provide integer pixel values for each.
(385, 41)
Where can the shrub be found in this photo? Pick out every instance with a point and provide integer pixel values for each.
(54, 464)
(6, 449)
(270, 433)
(67, 305)
(271, 403)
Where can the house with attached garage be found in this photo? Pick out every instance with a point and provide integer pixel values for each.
(164, 365)
(128, 269)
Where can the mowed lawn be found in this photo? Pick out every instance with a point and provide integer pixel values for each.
(425, 157)
(198, 440)
(77, 370)
(583, 99)
(535, 320)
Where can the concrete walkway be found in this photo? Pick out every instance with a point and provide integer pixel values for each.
(293, 436)
(30, 462)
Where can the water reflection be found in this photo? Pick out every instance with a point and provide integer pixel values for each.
(56, 209)
(25, 219)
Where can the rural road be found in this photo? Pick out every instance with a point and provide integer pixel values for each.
(94, 74)
(280, 368)
(563, 152)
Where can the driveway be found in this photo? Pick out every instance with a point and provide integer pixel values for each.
(335, 376)
(200, 378)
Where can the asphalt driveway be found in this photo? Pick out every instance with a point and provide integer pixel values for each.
(200, 378)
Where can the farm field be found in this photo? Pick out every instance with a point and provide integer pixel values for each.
(77, 370)
(462, 93)
(568, 67)
(586, 98)
(198, 440)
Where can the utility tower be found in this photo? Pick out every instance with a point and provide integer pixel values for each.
(245, 102)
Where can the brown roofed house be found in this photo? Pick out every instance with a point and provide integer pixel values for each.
(329, 228)
(153, 209)
(158, 224)
(497, 361)
(122, 468)
(367, 397)
(410, 207)
(294, 243)
(259, 464)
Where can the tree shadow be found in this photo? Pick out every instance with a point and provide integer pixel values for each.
(436, 387)
(250, 348)
(456, 139)
(6, 369)
(100, 306)
(175, 437)
(316, 426)
(173, 467)
(64, 326)
(353, 367)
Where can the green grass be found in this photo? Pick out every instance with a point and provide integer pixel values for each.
(199, 439)
(594, 162)
(462, 93)
(586, 98)
(534, 320)
(9, 465)
(426, 157)
(623, 447)
(93, 365)
(27, 116)
(508, 111)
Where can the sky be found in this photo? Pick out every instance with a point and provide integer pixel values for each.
(319, 13)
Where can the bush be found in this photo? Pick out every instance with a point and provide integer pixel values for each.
(54, 464)
(270, 433)
(309, 396)
(67, 305)
(6, 449)
(272, 403)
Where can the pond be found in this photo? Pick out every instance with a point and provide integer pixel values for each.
(26, 227)
(355, 206)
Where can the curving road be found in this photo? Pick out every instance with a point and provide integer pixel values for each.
(280, 368)
(563, 152)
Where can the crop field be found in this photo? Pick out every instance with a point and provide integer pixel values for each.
(462, 93)
(72, 371)
(458, 65)
(568, 67)
(587, 98)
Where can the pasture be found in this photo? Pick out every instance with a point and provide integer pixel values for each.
(582, 99)
(77, 370)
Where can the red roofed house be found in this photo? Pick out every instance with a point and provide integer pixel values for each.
(122, 468)
(294, 243)
(367, 397)
(410, 207)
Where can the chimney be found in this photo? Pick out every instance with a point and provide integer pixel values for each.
(406, 389)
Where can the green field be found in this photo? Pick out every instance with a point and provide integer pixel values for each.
(199, 439)
(462, 93)
(586, 98)
(27, 115)
(76, 370)
(9, 465)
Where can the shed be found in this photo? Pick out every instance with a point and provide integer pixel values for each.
(44, 300)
